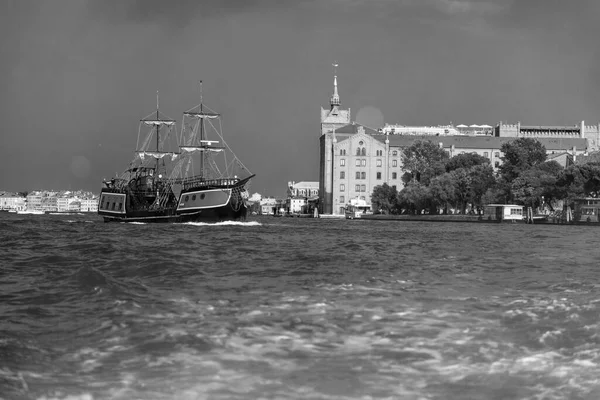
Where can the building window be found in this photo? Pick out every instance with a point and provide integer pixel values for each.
(394, 175)
(342, 199)
(357, 175)
(486, 154)
(379, 163)
(342, 152)
(363, 188)
(364, 151)
(362, 197)
(394, 163)
(363, 163)
(497, 164)
(363, 175)
(379, 175)
(357, 188)
(394, 153)
(394, 187)
(342, 162)
(358, 151)
(497, 154)
(342, 174)
(342, 188)
(357, 163)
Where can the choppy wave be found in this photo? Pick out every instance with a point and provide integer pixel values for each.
(308, 309)
(224, 223)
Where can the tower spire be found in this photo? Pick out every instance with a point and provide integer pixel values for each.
(335, 98)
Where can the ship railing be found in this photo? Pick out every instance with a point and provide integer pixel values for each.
(190, 183)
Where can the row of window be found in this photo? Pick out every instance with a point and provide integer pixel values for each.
(363, 175)
(363, 152)
(187, 198)
(107, 205)
(343, 199)
(363, 163)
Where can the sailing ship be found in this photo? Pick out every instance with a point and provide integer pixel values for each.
(190, 176)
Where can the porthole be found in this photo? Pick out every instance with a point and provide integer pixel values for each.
(202, 196)
(186, 198)
(194, 198)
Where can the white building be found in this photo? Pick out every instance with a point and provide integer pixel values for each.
(12, 201)
(268, 205)
(88, 205)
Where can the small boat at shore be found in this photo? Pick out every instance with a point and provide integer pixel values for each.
(187, 177)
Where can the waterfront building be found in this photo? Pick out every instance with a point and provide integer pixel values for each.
(300, 195)
(88, 205)
(355, 158)
(12, 201)
(268, 205)
(589, 132)
(34, 201)
(440, 130)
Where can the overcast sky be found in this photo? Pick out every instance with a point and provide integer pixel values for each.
(77, 75)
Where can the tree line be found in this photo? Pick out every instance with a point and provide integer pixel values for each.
(436, 183)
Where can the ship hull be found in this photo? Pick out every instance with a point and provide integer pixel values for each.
(219, 214)
(204, 204)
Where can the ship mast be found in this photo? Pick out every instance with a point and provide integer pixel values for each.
(201, 135)
(157, 134)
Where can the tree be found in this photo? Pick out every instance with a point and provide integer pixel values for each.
(579, 181)
(442, 191)
(385, 198)
(462, 187)
(482, 179)
(424, 160)
(414, 197)
(520, 155)
(466, 161)
(533, 184)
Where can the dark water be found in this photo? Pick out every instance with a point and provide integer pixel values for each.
(283, 308)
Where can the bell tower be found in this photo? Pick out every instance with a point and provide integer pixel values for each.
(331, 119)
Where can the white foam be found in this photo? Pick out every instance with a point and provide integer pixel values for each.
(224, 223)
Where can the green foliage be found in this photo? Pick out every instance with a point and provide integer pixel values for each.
(520, 155)
(385, 199)
(482, 178)
(462, 187)
(414, 197)
(466, 161)
(442, 191)
(529, 186)
(424, 160)
(579, 181)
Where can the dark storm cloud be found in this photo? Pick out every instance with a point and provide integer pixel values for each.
(77, 75)
(178, 14)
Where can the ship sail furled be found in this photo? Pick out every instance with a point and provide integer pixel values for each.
(157, 155)
(201, 115)
(158, 122)
(201, 148)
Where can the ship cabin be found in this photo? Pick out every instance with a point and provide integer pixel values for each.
(503, 212)
(587, 209)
